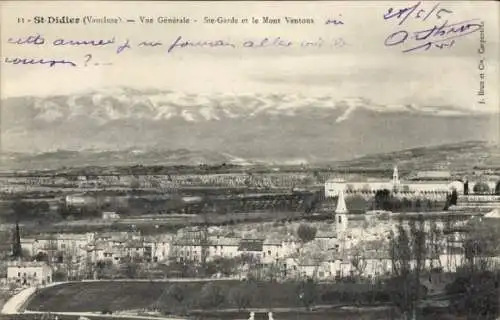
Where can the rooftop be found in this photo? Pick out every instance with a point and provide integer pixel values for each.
(252, 245)
(224, 241)
(24, 264)
(326, 234)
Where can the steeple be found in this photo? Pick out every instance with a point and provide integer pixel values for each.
(395, 177)
(341, 215)
(341, 207)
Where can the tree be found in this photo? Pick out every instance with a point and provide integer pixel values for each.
(359, 264)
(307, 293)
(131, 270)
(176, 292)
(383, 200)
(105, 269)
(311, 202)
(420, 253)
(17, 251)
(242, 294)
(475, 290)
(211, 295)
(451, 200)
(20, 208)
(481, 188)
(475, 294)
(481, 244)
(306, 233)
(173, 299)
(309, 181)
(408, 254)
(41, 256)
(224, 266)
(69, 256)
(434, 242)
(418, 204)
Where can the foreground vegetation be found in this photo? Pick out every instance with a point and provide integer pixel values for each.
(181, 297)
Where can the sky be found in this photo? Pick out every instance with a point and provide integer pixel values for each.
(360, 65)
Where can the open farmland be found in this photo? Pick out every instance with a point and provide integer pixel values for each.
(97, 296)
(118, 296)
(59, 317)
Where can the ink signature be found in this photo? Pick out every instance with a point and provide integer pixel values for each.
(440, 36)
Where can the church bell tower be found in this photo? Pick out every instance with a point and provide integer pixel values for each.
(341, 214)
(395, 178)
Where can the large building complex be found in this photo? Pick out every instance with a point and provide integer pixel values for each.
(437, 182)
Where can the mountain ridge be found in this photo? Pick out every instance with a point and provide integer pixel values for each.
(454, 156)
(264, 128)
(127, 103)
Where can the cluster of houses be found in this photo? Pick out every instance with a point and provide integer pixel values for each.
(339, 248)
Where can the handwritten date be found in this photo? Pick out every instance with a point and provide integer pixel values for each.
(416, 12)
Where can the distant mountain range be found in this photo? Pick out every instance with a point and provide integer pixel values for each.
(127, 126)
(454, 157)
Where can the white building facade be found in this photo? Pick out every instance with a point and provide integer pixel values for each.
(29, 273)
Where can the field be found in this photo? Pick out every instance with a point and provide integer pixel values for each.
(59, 317)
(133, 295)
(97, 296)
(333, 301)
(366, 314)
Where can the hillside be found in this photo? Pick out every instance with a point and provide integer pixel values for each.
(165, 127)
(463, 156)
(454, 157)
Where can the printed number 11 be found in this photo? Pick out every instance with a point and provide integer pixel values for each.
(20, 20)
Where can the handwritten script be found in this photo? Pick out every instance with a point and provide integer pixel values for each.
(120, 47)
(437, 31)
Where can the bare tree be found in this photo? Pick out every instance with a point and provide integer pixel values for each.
(435, 243)
(70, 261)
(408, 255)
(51, 248)
(359, 264)
(419, 251)
(475, 290)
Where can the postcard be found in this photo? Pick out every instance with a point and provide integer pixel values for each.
(249, 159)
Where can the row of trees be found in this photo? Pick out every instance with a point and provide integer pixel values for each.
(384, 200)
(484, 188)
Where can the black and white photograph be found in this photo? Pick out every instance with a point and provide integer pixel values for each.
(249, 160)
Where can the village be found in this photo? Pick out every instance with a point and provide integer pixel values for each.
(343, 246)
